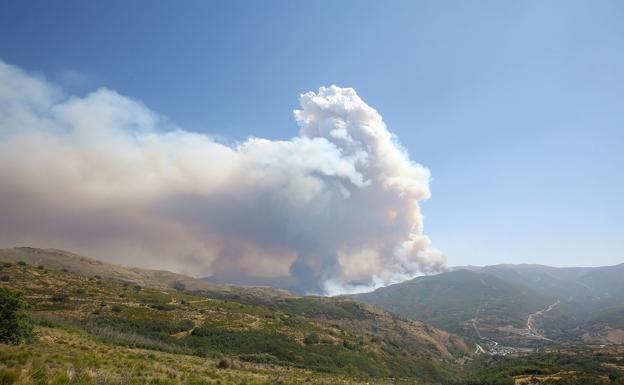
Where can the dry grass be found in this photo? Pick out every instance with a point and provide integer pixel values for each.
(64, 356)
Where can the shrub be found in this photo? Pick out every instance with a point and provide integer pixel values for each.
(15, 326)
(152, 327)
(312, 339)
(5, 278)
(261, 358)
(161, 306)
(116, 309)
(348, 345)
(350, 369)
(22, 263)
(228, 363)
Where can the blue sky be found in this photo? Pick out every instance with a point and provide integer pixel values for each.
(516, 107)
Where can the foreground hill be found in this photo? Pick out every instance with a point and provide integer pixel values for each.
(336, 336)
(518, 305)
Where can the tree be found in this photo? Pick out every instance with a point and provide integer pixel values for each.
(15, 326)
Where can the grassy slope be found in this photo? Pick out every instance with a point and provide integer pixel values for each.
(353, 339)
(63, 355)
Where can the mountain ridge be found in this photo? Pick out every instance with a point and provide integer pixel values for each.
(61, 259)
(459, 301)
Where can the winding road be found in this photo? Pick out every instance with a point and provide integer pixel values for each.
(531, 328)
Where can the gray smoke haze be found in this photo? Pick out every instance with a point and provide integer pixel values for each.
(333, 210)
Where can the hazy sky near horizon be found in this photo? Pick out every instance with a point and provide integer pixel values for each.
(515, 107)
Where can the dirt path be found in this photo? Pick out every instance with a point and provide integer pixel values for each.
(475, 319)
(531, 327)
(480, 349)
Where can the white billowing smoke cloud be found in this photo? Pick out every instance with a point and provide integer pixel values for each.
(332, 210)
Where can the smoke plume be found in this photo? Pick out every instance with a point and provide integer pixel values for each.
(332, 210)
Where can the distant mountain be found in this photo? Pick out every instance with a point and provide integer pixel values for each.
(580, 284)
(515, 304)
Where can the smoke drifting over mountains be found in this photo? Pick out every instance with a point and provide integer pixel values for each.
(334, 209)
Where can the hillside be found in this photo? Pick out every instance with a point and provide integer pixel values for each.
(336, 336)
(158, 279)
(465, 302)
(517, 305)
(93, 330)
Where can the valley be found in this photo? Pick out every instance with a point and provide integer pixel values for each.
(532, 331)
(516, 306)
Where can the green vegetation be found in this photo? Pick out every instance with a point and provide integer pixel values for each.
(318, 307)
(325, 337)
(15, 326)
(64, 355)
(312, 339)
(573, 367)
